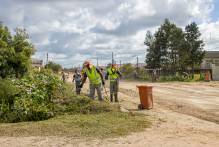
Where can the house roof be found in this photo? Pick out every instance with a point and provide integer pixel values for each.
(37, 61)
(211, 54)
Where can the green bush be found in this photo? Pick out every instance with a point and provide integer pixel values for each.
(143, 74)
(128, 71)
(7, 94)
(40, 86)
(176, 77)
(33, 101)
(54, 67)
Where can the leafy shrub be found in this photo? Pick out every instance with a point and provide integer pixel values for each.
(202, 77)
(171, 78)
(143, 74)
(34, 99)
(128, 71)
(7, 94)
(40, 86)
(54, 67)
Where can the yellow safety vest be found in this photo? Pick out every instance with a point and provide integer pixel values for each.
(113, 74)
(93, 76)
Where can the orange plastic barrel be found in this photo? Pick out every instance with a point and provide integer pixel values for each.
(207, 76)
(146, 97)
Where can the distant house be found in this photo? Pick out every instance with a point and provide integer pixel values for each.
(36, 63)
(211, 57)
(211, 62)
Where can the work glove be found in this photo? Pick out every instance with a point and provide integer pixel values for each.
(103, 83)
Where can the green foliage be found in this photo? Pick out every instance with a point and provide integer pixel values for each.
(172, 49)
(6, 52)
(23, 51)
(39, 85)
(194, 45)
(15, 53)
(127, 70)
(53, 66)
(183, 77)
(73, 116)
(82, 104)
(142, 74)
(34, 99)
(153, 53)
(102, 125)
(7, 94)
(172, 78)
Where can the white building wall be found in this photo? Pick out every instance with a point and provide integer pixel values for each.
(215, 72)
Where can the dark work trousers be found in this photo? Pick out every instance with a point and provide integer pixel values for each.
(114, 88)
(92, 91)
(78, 87)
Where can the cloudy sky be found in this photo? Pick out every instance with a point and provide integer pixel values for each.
(72, 31)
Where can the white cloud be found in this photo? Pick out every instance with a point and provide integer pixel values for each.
(210, 35)
(142, 8)
(201, 9)
(73, 31)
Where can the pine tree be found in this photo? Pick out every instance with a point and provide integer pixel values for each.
(194, 45)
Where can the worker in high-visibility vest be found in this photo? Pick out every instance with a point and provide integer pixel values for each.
(114, 74)
(96, 79)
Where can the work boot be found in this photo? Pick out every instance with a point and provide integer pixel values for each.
(111, 97)
(116, 98)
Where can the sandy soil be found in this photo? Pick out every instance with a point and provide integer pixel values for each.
(198, 99)
(184, 115)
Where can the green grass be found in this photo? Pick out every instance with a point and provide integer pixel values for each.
(79, 116)
(103, 125)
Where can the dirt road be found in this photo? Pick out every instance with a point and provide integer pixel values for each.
(185, 115)
(197, 99)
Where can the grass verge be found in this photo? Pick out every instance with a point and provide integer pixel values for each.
(79, 116)
(103, 125)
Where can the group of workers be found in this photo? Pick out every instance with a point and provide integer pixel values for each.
(97, 79)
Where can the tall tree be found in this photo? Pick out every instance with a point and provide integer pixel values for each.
(15, 52)
(162, 40)
(23, 51)
(6, 52)
(157, 56)
(153, 55)
(176, 50)
(194, 45)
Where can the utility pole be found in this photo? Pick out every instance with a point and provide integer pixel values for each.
(120, 63)
(47, 58)
(97, 62)
(137, 62)
(112, 58)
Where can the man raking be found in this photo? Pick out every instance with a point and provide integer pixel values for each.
(95, 78)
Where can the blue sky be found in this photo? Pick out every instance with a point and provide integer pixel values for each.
(72, 31)
(215, 13)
